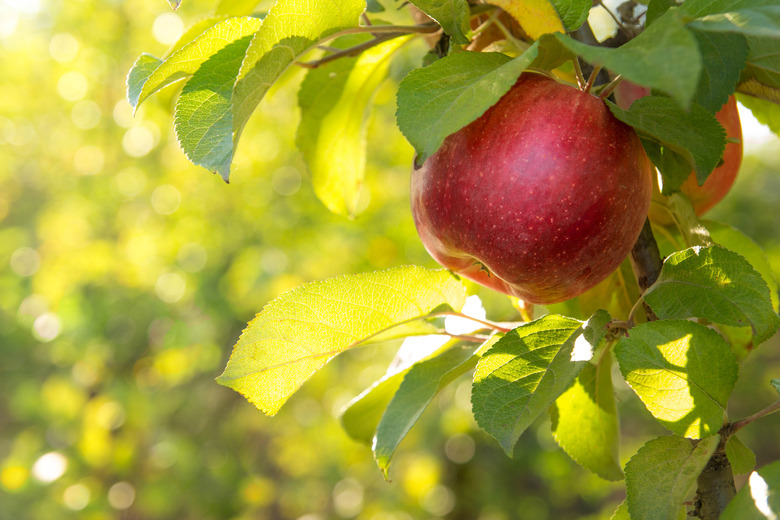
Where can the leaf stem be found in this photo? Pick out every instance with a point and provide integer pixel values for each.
(592, 78)
(610, 87)
(578, 73)
(498, 327)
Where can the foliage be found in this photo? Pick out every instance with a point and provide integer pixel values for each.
(125, 274)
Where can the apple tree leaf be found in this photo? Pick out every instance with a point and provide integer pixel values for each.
(621, 513)
(536, 17)
(763, 21)
(573, 13)
(776, 383)
(682, 371)
(452, 15)
(716, 284)
(645, 59)
(723, 57)
(589, 406)
(701, 8)
(735, 240)
(759, 498)
(695, 134)
(335, 101)
(139, 74)
(290, 29)
(360, 417)
(440, 99)
(202, 115)
(299, 332)
(218, 100)
(519, 377)
(741, 458)
(663, 473)
(183, 62)
(421, 383)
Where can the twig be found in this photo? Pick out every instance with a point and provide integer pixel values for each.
(351, 51)
(736, 426)
(646, 263)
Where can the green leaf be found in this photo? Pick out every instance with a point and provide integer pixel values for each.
(716, 284)
(291, 28)
(422, 382)
(438, 100)
(663, 473)
(656, 8)
(300, 331)
(573, 13)
(758, 21)
(759, 498)
(724, 56)
(694, 134)
(621, 513)
(184, 62)
(335, 101)
(741, 458)
(682, 371)
(763, 64)
(193, 31)
(585, 422)
(645, 59)
(776, 384)
(735, 240)
(361, 416)
(452, 15)
(522, 374)
(766, 112)
(236, 7)
(700, 8)
(143, 67)
(203, 111)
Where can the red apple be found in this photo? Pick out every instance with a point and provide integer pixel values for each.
(541, 198)
(719, 182)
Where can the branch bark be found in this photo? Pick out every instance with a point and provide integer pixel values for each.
(715, 486)
(646, 263)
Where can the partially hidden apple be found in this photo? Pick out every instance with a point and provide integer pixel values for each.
(719, 182)
(541, 197)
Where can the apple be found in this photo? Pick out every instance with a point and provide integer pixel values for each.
(719, 182)
(541, 198)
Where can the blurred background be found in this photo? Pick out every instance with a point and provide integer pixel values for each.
(127, 274)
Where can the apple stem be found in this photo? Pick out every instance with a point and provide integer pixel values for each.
(578, 73)
(610, 87)
(592, 78)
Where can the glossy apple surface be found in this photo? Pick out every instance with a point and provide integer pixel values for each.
(719, 182)
(542, 197)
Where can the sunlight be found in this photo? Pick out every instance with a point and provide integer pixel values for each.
(759, 490)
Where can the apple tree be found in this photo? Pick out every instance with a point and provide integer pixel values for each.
(564, 170)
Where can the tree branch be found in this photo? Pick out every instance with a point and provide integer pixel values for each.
(646, 263)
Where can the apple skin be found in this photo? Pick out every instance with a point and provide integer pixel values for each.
(541, 198)
(719, 182)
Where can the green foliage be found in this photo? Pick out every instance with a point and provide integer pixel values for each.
(452, 15)
(296, 334)
(442, 98)
(716, 284)
(335, 101)
(589, 406)
(123, 276)
(520, 376)
(695, 135)
(663, 473)
(759, 498)
(741, 458)
(682, 371)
